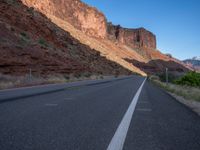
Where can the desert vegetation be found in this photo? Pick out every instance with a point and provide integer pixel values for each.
(190, 79)
(7, 81)
(42, 42)
(187, 86)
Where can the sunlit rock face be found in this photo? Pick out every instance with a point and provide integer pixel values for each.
(135, 38)
(30, 40)
(80, 15)
(92, 22)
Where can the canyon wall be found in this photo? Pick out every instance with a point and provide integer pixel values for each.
(135, 38)
(49, 37)
(29, 40)
(92, 22)
(80, 15)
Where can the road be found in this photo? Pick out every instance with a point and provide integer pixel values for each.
(94, 116)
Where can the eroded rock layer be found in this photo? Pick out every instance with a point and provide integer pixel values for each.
(80, 15)
(68, 36)
(29, 40)
(135, 38)
(93, 22)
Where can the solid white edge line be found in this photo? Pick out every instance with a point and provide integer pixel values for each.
(118, 139)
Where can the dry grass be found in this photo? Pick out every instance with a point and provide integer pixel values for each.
(7, 81)
(188, 92)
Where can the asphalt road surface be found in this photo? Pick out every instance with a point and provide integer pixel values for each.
(128, 114)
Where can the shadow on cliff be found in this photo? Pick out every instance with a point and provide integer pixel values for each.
(158, 66)
(31, 41)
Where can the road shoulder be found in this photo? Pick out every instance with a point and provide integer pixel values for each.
(195, 106)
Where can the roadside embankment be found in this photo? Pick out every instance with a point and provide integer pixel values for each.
(187, 95)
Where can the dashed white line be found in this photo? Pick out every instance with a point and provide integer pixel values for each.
(143, 109)
(118, 139)
(143, 102)
(51, 105)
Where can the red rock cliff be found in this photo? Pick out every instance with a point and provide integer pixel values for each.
(135, 38)
(80, 15)
(93, 23)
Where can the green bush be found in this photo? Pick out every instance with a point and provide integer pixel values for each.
(24, 39)
(24, 35)
(191, 79)
(42, 42)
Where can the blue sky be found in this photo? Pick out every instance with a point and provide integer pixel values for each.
(176, 23)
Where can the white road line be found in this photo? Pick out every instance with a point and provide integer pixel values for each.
(118, 139)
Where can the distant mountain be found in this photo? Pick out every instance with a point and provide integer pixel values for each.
(194, 62)
(196, 58)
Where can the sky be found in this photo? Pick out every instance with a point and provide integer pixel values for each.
(176, 23)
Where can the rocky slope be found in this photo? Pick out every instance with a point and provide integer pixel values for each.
(72, 37)
(110, 40)
(28, 39)
(92, 22)
(80, 15)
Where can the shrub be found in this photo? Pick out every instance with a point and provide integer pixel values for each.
(24, 35)
(24, 38)
(77, 75)
(190, 79)
(87, 74)
(42, 42)
(188, 92)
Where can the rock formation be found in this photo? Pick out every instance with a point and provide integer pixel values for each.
(93, 23)
(135, 38)
(29, 40)
(68, 36)
(80, 15)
